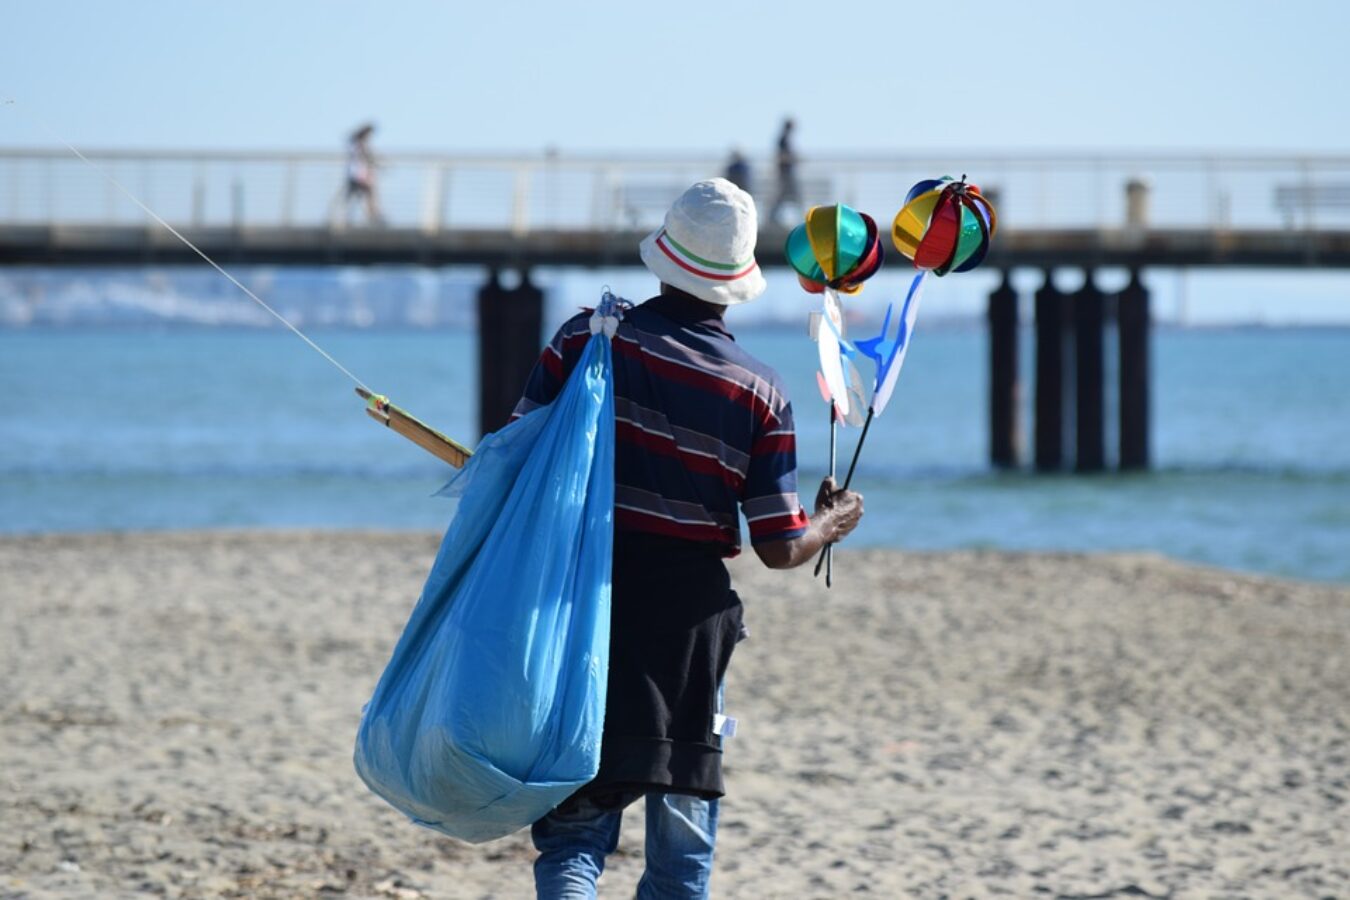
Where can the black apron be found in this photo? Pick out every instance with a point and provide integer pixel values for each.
(675, 623)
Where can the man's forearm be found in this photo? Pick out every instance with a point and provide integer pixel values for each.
(794, 552)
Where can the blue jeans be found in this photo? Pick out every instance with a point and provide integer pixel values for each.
(574, 840)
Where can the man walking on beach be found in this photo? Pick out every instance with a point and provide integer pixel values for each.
(703, 430)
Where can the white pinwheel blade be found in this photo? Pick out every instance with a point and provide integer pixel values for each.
(857, 399)
(828, 337)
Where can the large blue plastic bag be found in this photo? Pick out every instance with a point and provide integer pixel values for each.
(490, 711)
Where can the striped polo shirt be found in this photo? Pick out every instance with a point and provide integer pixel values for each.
(702, 428)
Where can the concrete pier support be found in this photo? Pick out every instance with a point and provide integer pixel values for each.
(510, 323)
(1049, 450)
(1004, 388)
(1089, 320)
(1133, 317)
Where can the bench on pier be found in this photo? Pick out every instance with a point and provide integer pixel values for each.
(645, 202)
(1293, 200)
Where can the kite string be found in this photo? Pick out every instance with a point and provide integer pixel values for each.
(8, 101)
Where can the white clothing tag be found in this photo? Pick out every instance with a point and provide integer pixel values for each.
(724, 726)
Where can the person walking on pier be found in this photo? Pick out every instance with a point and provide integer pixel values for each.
(789, 191)
(360, 185)
(704, 431)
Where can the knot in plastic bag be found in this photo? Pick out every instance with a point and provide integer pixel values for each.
(608, 313)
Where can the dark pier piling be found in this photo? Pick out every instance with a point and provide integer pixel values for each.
(1089, 373)
(1049, 412)
(1004, 385)
(510, 323)
(1133, 317)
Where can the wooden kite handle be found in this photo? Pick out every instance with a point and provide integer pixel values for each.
(423, 435)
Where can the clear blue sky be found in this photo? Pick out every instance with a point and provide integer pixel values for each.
(698, 77)
(507, 75)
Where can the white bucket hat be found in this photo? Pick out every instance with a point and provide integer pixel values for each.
(707, 245)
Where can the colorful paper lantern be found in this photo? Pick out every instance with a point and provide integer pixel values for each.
(944, 226)
(837, 247)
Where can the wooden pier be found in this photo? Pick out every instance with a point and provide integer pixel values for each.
(520, 213)
(1015, 248)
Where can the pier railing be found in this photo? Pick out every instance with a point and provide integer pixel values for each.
(555, 192)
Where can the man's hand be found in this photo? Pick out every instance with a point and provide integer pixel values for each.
(837, 514)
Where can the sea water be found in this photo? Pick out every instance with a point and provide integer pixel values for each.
(169, 428)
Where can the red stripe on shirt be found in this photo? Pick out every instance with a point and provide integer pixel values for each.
(773, 443)
(552, 363)
(762, 528)
(666, 446)
(695, 378)
(635, 520)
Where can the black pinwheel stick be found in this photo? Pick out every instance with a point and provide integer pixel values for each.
(826, 552)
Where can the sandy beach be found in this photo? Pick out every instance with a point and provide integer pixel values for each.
(178, 711)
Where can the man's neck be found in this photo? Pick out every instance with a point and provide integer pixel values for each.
(712, 309)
